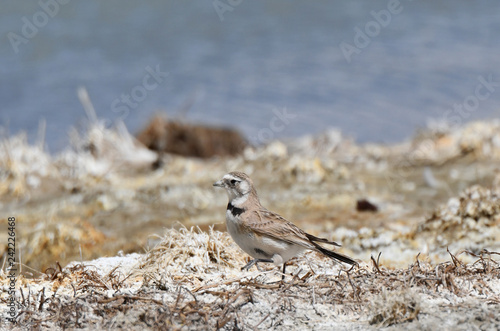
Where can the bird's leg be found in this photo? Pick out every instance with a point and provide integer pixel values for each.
(254, 261)
(283, 276)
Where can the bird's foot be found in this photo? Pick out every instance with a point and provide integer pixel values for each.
(254, 261)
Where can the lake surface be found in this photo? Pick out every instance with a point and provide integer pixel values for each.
(377, 70)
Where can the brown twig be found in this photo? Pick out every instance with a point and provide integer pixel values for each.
(42, 299)
(376, 263)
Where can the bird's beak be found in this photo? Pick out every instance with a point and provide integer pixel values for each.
(219, 183)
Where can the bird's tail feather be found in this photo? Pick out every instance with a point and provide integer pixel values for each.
(321, 240)
(334, 255)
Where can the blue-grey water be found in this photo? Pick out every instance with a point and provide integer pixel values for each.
(238, 62)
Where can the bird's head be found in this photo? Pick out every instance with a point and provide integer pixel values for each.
(238, 186)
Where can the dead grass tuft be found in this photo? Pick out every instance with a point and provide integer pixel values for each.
(190, 254)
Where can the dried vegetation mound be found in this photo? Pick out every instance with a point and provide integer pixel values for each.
(192, 255)
(439, 144)
(474, 217)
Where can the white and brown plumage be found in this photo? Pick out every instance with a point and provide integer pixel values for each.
(262, 234)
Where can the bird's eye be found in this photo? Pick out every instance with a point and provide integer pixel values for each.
(233, 181)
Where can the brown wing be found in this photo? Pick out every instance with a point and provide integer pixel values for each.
(277, 226)
(269, 224)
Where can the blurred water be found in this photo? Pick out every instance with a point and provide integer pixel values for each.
(263, 56)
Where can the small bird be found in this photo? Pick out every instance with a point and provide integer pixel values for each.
(262, 234)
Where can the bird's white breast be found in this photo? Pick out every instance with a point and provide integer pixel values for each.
(243, 238)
